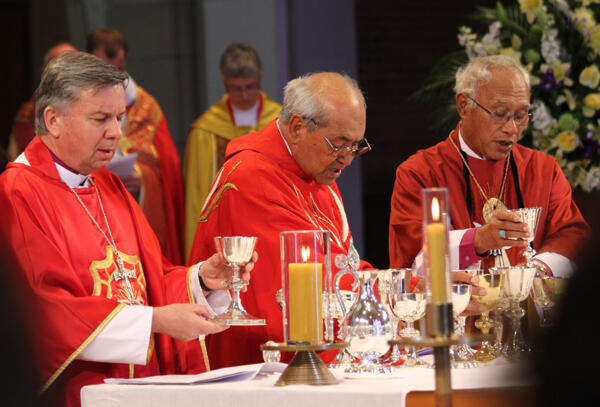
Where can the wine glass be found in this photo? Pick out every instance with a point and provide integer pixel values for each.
(409, 307)
(546, 292)
(464, 351)
(237, 251)
(517, 286)
(493, 281)
(461, 295)
(387, 279)
(343, 358)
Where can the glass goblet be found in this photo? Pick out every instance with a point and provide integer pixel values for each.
(546, 292)
(237, 251)
(409, 307)
(387, 279)
(343, 358)
(517, 286)
(492, 281)
(461, 295)
(464, 351)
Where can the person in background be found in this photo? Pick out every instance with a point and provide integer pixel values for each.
(156, 179)
(243, 109)
(22, 131)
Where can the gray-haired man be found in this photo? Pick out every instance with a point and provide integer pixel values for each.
(107, 304)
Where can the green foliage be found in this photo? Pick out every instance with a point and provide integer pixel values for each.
(555, 40)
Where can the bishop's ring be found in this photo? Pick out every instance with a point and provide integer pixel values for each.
(502, 234)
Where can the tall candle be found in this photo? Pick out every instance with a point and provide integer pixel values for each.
(305, 302)
(436, 241)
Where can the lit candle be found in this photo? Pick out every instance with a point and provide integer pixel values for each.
(306, 288)
(436, 241)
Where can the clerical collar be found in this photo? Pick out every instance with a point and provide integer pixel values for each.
(465, 147)
(245, 117)
(284, 140)
(72, 179)
(68, 175)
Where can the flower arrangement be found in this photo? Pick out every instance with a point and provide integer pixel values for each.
(558, 42)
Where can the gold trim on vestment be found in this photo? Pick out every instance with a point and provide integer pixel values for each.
(81, 347)
(105, 263)
(214, 199)
(150, 348)
(189, 286)
(193, 301)
(204, 354)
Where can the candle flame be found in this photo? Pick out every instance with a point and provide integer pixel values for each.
(435, 209)
(305, 253)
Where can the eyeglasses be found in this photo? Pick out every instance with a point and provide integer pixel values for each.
(356, 149)
(500, 117)
(253, 87)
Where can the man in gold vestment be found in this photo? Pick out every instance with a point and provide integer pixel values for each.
(243, 109)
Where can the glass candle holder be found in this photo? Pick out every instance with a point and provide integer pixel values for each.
(307, 288)
(435, 244)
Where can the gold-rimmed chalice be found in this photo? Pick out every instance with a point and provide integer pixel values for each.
(492, 280)
(546, 293)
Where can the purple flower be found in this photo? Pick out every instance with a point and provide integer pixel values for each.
(590, 149)
(549, 82)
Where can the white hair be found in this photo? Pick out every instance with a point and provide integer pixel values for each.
(477, 72)
(309, 102)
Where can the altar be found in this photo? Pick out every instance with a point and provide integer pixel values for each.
(499, 383)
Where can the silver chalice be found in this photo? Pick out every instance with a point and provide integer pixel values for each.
(237, 251)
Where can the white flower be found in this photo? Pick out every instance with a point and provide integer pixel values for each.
(491, 41)
(542, 119)
(467, 39)
(562, 5)
(592, 179)
(550, 46)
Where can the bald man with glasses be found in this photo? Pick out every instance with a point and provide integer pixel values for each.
(488, 173)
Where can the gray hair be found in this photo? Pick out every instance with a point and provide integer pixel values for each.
(240, 60)
(309, 102)
(477, 72)
(66, 76)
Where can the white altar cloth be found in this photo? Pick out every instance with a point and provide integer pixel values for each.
(261, 392)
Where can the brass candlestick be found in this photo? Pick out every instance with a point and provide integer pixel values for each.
(440, 338)
(306, 367)
(439, 325)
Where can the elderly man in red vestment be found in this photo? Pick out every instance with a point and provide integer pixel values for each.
(283, 178)
(487, 172)
(107, 303)
(156, 180)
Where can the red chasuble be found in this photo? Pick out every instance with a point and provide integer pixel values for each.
(261, 191)
(147, 134)
(70, 269)
(561, 228)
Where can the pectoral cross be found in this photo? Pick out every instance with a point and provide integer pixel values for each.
(125, 276)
